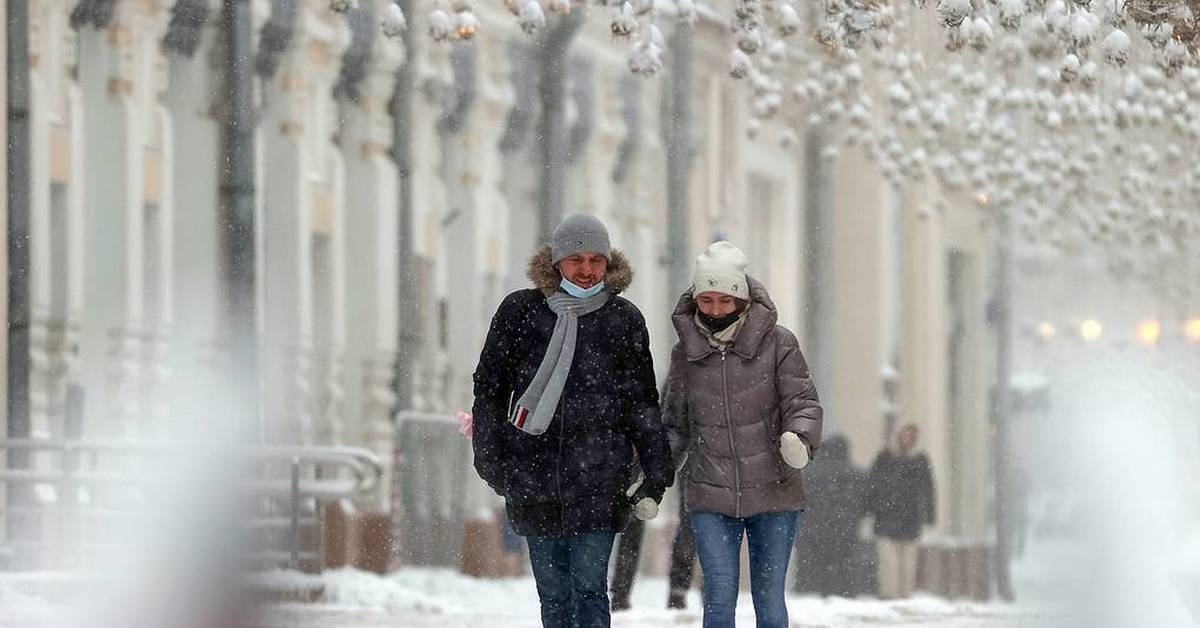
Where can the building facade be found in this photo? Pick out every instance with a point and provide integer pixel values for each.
(886, 288)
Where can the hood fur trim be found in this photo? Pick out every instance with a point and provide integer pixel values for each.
(545, 276)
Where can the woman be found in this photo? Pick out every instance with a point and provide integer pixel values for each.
(743, 415)
(902, 499)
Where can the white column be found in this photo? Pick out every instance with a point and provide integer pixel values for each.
(317, 56)
(370, 274)
(778, 266)
(287, 262)
(787, 244)
(193, 198)
(494, 101)
(520, 192)
(470, 174)
(196, 351)
(429, 207)
(113, 267)
(40, 249)
(853, 391)
(518, 166)
(923, 344)
(970, 479)
(56, 213)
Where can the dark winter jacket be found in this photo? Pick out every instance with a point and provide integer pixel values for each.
(827, 553)
(901, 495)
(727, 410)
(573, 477)
(835, 497)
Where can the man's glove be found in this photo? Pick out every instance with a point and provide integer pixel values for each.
(645, 497)
(794, 450)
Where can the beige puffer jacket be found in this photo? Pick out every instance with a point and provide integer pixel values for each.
(725, 412)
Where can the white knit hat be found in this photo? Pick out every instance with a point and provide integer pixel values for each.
(722, 268)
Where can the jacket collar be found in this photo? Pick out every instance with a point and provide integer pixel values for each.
(759, 322)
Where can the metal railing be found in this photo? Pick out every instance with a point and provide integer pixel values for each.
(54, 495)
(433, 484)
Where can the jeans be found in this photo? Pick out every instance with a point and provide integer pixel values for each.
(719, 545)
(571, 573)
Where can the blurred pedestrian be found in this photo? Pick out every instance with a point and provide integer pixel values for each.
(826, 554)
(901, 499)
(564, 396)
(743, 414)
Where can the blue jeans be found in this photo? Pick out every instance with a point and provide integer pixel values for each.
(719, 546)
(572, 578)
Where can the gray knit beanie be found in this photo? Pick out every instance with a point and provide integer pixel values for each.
(579, 233)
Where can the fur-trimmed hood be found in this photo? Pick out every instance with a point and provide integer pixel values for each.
(545, 276)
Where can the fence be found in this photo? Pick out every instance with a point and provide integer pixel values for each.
(55, 509)
(437, 489)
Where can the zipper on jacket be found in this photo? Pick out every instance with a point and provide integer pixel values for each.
(737, 479)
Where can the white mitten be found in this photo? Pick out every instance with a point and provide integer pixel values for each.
(794, 451)
(646, 509)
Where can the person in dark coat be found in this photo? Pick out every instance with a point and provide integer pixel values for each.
(826, 552)
(564, 396)
(901, 498)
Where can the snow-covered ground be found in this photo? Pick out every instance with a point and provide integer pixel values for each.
(421, 598)
(443, 598)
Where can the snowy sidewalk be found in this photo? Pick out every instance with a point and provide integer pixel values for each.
(421, 598)
(444, 598)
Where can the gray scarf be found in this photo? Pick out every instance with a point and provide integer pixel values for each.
(534, 410)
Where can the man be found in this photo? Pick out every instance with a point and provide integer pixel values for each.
(901, 498)
(564, 396)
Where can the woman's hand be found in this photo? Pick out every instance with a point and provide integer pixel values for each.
(794, 450)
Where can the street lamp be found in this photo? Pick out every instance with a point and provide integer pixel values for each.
(1090, 330)
(1192, 330)
(1148, 333)
(1046, 330)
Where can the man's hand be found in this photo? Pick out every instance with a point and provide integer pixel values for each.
(794, 450)
(646, 509)
(645, 498)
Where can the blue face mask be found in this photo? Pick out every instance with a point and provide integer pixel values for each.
(581, 293)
